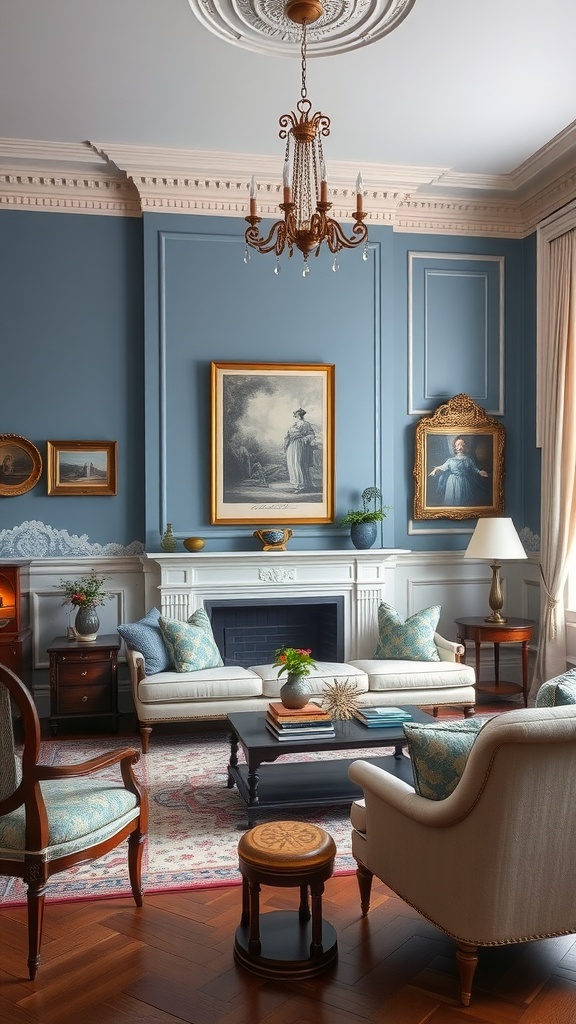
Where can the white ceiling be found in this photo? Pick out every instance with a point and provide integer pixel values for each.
(474, 86)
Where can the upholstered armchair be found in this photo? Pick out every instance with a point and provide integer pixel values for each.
(493, 862)
(54, 817)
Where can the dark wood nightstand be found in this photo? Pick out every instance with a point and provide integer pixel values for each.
(83, 679)
(513, 631)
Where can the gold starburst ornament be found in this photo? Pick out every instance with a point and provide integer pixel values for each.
(341, 699)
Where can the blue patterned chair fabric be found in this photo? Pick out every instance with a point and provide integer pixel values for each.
(52, 817)
(558, 691)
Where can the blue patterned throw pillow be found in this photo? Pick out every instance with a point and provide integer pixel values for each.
(557, 691)
(412, 640)
(145, 636)
(439, 753)
(191, 643)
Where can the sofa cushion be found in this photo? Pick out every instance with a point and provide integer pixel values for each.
(412, 639)
(323, 675)
(145, 636)
(226, 681)
(191, 644)
(439, 753)
(415, 675)
(557, 691)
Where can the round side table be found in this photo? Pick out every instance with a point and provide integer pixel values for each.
(285, 944)
(513, 631)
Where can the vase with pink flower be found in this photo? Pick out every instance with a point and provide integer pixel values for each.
(85, 594)
(297, 662)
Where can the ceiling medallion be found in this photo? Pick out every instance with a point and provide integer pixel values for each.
(263, 26)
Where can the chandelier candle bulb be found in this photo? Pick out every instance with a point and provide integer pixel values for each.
(359, 193)
(286, 181)
(323, 183)
(253, 194)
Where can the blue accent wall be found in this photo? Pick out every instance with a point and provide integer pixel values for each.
(109, 326)
(71, 367)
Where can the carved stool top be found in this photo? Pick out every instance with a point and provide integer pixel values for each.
(286, 845)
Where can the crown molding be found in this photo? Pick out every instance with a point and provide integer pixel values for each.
(118, 180)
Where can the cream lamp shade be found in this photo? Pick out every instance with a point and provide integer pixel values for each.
(496, 540)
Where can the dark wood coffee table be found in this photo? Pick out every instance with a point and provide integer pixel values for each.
(266, 787)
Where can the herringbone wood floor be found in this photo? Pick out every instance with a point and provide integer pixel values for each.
(108, 962)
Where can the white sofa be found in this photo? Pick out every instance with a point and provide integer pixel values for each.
(214, 693)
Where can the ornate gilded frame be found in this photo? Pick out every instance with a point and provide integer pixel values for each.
(254, 424)
(20, 465)
(65, 460)
(447, 486)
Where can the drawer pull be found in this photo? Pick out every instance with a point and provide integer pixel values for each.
(84, 699)
(84, 673)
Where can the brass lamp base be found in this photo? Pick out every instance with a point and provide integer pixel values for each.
(496, 599)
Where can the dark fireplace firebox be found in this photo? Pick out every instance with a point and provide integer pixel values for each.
(249, 632)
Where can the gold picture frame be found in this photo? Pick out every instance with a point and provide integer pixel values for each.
(272, 444)
(20, 465)
(459, 463)
(82, 468)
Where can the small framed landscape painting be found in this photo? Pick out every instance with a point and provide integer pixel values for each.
(459, 463)
(82, 467)
(272, 453)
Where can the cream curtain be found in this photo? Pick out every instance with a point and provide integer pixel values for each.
(558, 431)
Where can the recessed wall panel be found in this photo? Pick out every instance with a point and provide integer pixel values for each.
(456, 330)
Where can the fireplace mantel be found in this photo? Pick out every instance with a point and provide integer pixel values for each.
(180, 582)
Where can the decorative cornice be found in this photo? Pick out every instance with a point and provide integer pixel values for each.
(115, 180)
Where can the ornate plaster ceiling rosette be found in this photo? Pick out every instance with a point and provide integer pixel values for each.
(263, 27)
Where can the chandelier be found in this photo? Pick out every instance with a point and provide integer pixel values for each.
(306, 224)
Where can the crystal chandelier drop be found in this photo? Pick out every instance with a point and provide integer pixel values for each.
(306, 224)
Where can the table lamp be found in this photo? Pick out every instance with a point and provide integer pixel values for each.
(495, 539)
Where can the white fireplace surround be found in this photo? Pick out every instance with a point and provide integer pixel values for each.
(362, 578)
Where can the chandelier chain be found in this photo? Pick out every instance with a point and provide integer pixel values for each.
(303, 90)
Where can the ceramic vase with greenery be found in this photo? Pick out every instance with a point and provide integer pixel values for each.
(363, 521)
(297, 662)
(85, 594)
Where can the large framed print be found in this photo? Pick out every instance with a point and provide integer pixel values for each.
(459, 463)
(272, 452)
(82, 468)
(20, 465)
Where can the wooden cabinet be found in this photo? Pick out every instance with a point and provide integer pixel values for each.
(83, 679)
(15, 632)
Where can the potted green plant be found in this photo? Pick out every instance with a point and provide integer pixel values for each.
(363, 521)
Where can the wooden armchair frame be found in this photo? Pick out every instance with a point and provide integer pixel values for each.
(34, 867)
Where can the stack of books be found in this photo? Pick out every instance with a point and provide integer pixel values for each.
(309, 722)
(382, 718)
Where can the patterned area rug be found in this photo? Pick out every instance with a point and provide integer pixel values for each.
(195, 820)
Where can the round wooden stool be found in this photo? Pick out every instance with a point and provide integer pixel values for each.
(285, 944)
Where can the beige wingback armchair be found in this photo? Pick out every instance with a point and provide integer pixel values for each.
(494, 862)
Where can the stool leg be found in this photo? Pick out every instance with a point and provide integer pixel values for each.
(245, 919)
(317, 888)
(254, 930)
(303, 909)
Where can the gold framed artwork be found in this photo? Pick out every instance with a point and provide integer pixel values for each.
(459, 463)
(20, 465)
(82, 468)
(272, 444)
